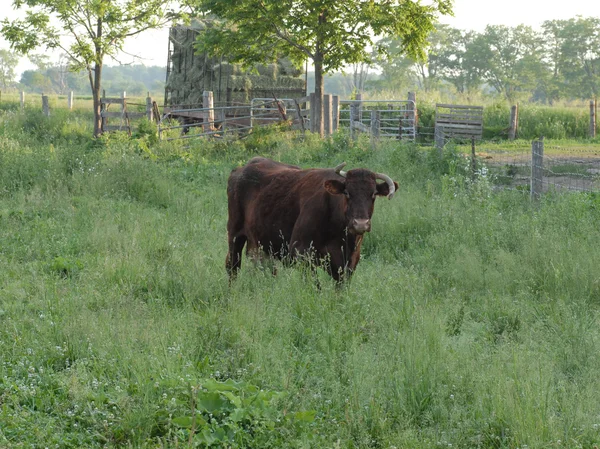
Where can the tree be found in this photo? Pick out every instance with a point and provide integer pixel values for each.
(397, 70)
(330, 33)
(509, 59)
(579, 56)
(455, 60)
(8, 63)
(36, 81)
(41, 61)
(96, 29)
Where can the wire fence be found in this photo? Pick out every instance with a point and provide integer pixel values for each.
(534, 167)
(571, 169)
(396, 118)
(187, 123)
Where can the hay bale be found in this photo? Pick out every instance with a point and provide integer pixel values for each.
(192, 73)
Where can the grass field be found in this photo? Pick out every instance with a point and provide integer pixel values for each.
(472, 320)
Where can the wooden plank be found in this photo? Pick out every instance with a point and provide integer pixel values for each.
(458, 115)
(453, 118)
(458, 106)
(457, 125)
(119, 114)
(460, 122)
(460, 130)
(463, 132)
(107, 114)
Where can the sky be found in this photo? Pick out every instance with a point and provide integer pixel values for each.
(474, 15)
(477, 14)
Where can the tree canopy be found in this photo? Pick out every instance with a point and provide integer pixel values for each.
(8, 64)
(561, 61)
(93, 29)
(330, 33)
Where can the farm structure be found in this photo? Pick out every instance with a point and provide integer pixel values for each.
(190, 74)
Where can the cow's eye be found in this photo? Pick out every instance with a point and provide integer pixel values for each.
(347, 194)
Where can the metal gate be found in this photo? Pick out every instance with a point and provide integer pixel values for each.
(397, 118)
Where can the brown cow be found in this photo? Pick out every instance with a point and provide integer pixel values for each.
(287, 212)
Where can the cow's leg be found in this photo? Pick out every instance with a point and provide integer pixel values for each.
(337, 265)
(261, 257)
(307, 254)
(233, 262)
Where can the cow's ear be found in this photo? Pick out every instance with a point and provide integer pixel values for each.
(334, 186)
(383, 189)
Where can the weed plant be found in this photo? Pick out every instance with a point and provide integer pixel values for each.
(471, 321)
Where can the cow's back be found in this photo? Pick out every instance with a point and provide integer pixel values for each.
(267, 197)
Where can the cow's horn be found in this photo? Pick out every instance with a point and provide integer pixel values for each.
(389, 182)
(338, 169)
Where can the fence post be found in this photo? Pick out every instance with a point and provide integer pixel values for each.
(439, 139)
(149, 108)
(327, 109)
(592, 119)
(208, 116)
(375, 124)
(412, 97)
(473, 158)
(313, 111)
(124, 117)
(70, 101)
(354, 114)
(537, 168)
(411, 113)
(22, 100)
(45, 105)
(123, 108)
(514, 122)
(103, 120)
(335, 113)
(360, 107)
(123, 104)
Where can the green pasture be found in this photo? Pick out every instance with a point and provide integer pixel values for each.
(472, 320)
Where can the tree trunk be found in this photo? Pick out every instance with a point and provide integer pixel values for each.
(97, 83)
(319, 91)
(319, 81)
(97, 100)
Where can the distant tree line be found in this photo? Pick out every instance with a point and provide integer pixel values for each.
(58, 78)
(559, 62)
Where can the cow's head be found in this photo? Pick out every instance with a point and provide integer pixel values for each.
(360, 188)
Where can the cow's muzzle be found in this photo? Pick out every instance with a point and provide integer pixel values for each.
(360, 225)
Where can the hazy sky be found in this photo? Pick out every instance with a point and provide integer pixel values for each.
(476, 14)
(468, 15)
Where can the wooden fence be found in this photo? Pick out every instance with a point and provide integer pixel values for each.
(124, 114)
(461, 122)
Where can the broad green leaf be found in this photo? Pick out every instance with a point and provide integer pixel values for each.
(183, 421)
(212, 402)
(305, 416)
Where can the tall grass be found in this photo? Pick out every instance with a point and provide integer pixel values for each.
(472, 319)
(534, 121)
